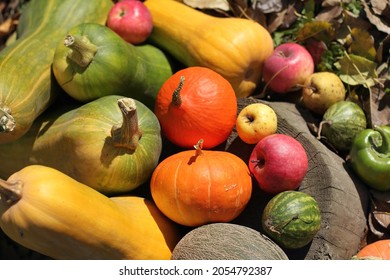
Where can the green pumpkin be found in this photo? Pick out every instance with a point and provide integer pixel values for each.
(341, 123)
(93, 61)
(27, 86)
(111, 144)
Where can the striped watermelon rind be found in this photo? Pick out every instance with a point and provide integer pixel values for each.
(342, 122)
(291, 219)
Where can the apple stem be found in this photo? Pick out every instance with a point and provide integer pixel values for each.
(83, 50)
(259, 162)
(176, 98)
(328, 122)
(263, 93)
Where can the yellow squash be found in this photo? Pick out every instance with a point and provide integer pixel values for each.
(234, 47)
(51, 213)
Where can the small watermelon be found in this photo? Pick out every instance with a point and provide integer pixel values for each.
(291, 219)
(341, 123)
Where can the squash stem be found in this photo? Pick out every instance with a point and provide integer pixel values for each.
(322, 123)
(128, 134)
(11, 191)
(83, 51)
(176, 98)
(7, 121)
(198, 147)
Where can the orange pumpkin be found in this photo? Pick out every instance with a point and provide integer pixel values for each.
(378, 250)
(196, 102)
(196, 187)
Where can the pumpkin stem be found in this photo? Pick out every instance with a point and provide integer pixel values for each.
(322, 123)
(83, 50)
(199, 147)
(11, 191)
(176, 98)
(128, 134)
(7, 121)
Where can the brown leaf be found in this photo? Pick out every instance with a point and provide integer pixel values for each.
(379, 216)
(329, 14)
(379, 22)
(7, 27)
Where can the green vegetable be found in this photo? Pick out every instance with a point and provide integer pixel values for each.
(291, 219)
(341, 123)
(93, 61)
(370, 157)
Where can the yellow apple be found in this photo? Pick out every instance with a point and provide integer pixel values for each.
(321, 90)
(256, 121)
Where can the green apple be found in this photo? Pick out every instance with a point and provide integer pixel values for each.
(255, 121)
(321, 90)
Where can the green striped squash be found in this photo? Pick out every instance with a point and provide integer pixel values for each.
(97, 62)
(340, 124)
(104, 144)
(291, 219)
(26, 83)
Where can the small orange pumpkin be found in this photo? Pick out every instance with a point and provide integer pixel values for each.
(378, 250)
(198, 187)
(196, 102)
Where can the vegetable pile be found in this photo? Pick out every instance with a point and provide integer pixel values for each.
(116, 149)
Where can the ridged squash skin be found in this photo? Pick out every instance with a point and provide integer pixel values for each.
(115, 68)
(226, 241)
(79, 143)
(194, 188)
(59, 217)
(233, 47)
(27, 86)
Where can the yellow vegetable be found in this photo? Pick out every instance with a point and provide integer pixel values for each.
(234, 47)
(51, 213)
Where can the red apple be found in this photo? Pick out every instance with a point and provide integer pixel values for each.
(279, 163)
(287, 67)
(131, 20)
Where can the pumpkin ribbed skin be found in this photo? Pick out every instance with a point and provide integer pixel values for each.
(226, 241)
(117, 68)
(208, 108)
(236, 48)
(26, 83)
(377, 250)
(198, 187)
(292, 219)
(79, 143)
(64, 219)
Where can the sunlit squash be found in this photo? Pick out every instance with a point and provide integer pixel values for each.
(197, 187)
(234, 47)
(51, 213)
(196, 102)
(111, 144)
(377, 250)
(93, 61)
(27, 86)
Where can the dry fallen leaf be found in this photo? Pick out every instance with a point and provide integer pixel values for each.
(381, 23)
(208, 4)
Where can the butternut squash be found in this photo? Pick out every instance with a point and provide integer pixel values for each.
(111, 144)
(51, 213)
(233, 47)
(27, 86)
